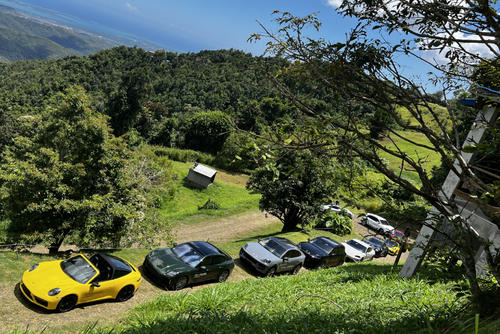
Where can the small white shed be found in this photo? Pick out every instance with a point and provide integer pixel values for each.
(201, 176)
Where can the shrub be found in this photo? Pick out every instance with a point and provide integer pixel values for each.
(336, 223)
(181, 155)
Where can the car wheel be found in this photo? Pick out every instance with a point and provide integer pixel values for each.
(380, 231)
(223, 276)
(125, 293)
(271, 272)
(67, 303)
(180, 283)
(296, 270)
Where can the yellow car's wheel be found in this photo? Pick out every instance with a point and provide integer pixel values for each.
(125, 293)
(67, 303)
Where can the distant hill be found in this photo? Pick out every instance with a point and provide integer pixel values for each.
(23, 38)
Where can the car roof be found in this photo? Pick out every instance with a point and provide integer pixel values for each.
(205, 248)
(329, 241)
(361, 242)
(115, 262)
(374, 215)
(287, 244)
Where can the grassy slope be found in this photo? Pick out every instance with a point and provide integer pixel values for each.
(228, 191)
(429, 158)
(355, 298)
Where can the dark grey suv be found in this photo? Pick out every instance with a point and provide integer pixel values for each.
(272, 255)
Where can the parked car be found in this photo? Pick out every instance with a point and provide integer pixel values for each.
(377, 223)
(322, 252)
(338, 209)
(357, 250)
(378, 245)
(190, 262)
(392, 246)
(400, 238)
(272, 255)
(62, 284)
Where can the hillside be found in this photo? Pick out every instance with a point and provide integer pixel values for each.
(23, 38)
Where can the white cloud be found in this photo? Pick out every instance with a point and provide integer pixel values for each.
(132, 8)
(334, 3)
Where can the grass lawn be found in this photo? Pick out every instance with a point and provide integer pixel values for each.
(427, 157)
(354, 298)
(228, 191)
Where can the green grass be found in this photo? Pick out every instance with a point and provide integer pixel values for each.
(228, 191)
(427, 157)
(354, 298)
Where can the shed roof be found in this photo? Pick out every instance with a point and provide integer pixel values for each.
(204, 170)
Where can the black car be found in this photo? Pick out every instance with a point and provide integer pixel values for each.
(322, 252)
(187, 263)
(379, 246)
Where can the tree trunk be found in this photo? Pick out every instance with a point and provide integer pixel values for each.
(54, 247)
(291, 220)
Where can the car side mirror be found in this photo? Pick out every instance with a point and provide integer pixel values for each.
(285, 259)
(95, 284)
(175, 244)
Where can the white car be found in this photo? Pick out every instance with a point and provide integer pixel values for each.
(377, 223)
(337, 209)
(358, 250)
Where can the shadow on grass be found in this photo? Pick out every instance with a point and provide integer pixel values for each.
(259, 236)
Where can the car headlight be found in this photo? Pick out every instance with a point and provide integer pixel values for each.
(33, 267)
(171, 273)
(54, 292)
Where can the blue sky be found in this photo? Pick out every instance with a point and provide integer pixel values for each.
(193, 25)
(190, 25)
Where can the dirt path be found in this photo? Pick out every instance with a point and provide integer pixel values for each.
(16, 312)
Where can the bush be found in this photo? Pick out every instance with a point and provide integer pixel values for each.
(181, 155)
(209, 205)
(338, 224)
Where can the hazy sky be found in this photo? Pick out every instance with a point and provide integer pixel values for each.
(193, 25)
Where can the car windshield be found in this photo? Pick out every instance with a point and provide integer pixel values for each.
(376, 241)
(399, 233)
(78, 268)
(323, 244)
(187, 254)
(391, 243)
(357, 245)
(273, 247)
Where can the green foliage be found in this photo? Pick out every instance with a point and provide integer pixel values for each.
(69, 178)
(338, 224)
(181, 155)
(354, 298)
(293, 186)
(238, 153)
(380, 122)
(209, 205)
(206, 131)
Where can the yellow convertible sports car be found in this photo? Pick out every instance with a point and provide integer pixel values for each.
(60, 285)
(392, 247)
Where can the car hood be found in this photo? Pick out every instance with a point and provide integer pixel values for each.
(351, 251)
(165, 261)
(258, 252)
(47, 276)
(387, 227)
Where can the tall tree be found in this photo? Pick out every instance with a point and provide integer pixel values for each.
(68, 178)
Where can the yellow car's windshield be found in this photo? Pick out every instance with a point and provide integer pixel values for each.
(78, 268)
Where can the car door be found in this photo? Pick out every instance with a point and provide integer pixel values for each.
(336, 257)
(373, 222)
(205, 270)
(291, 259)
(98, 289)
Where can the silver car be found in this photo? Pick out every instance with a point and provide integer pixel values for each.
(272, 255)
